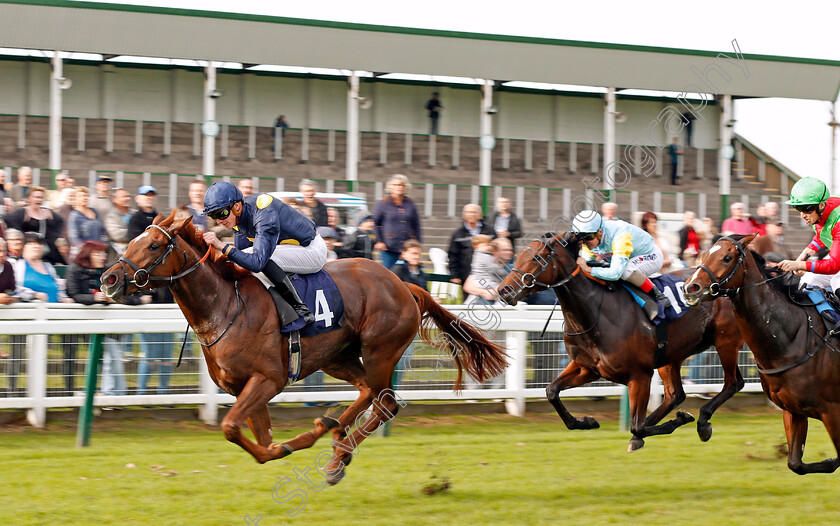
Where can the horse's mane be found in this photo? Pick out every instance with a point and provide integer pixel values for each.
(218, 261)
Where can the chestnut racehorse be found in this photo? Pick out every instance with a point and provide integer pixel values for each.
(248, 357)
(609, 336)
(799, 365)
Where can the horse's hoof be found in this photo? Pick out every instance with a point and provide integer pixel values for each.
(684, 417)
(635, 444)
(328, 422)
(588, 422)
(334, 477)
(705, 431)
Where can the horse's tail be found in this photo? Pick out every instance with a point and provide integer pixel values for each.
(470, 349)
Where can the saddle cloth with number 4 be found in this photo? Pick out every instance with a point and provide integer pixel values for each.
(323, 298)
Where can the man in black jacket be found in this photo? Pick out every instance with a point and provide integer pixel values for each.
(460, 245)
(505, 222)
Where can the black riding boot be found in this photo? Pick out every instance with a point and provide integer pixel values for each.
(661, 298)
(287, 291)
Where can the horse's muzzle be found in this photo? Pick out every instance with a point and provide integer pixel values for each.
(508, 294)
(112, 284)
(693, 294)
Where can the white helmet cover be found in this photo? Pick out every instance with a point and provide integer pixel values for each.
(587, 222)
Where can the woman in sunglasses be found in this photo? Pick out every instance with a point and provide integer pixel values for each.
(810, 197)
(270, 237)
(631, 253)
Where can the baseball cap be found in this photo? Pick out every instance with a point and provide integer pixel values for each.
(145, 189)
(103, 177)
(327, 232)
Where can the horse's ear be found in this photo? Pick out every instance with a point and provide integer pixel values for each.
(158, 219)
(179, 224)
(746, 240)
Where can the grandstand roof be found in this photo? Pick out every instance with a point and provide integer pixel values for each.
(252, 39)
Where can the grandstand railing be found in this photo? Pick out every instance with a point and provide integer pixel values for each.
(37, 337)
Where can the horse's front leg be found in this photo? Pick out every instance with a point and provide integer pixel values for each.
(796, 429)
(732, 383)
(251, 404)
(639, 394)
(573, 375)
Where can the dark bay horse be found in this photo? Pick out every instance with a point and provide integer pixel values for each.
(798, 366)
(248, 357)
(609, 336)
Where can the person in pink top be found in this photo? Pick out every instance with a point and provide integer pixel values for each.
(739, 221)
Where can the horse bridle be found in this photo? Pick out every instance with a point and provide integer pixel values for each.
(715, 289)
(142, 276)
(532, 282)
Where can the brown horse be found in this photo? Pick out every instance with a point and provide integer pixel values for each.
(799, 372)
(248, 357)
(609, 336)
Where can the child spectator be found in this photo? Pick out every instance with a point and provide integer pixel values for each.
(360, 243)
(409, 268)
(330, 236)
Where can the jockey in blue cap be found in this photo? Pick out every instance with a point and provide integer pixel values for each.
(271, 237)
(631, 252)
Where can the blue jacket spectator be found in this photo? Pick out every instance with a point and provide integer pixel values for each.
(396, 220)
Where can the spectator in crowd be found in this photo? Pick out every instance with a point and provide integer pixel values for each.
(8, 286)
(504, 221)
(396, 220)
(688, 119)
(196, 205)
(20, 191)
(771, 212)
(710, 231)
(5, 203)
(308, 188)
(408, 268)
(738, 223)
(38, 277)
(83, 286)
(65, 208)
(488, 269)
(84, 223)
(14, 240)
(330, 236)
(333, 221)
(360, 243)
(116, 222)
(282, 124)
(772, 241)
(609, 211)
(101, 202)
(674, 151)
(56, 197)
(758, 219)
(35, 218)
(689, 240)
(146, 213)
(246, 186)
(63, 247)
(433, 106)
(662, 240)
(460, 244)
(156, 347)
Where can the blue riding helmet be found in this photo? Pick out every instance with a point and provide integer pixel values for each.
(221, 195)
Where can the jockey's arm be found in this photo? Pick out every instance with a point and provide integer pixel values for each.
(622, 248)
(265, 241)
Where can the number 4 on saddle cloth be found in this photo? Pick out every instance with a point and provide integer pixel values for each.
(324, 300)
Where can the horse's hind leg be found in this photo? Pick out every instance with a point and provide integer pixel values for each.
(251, 404)
(348, 368)
(732, 383)
(260, 423)
(796, 429)
(639, 394)
(572, 376)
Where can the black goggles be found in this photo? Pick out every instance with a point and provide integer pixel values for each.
(587, 237)
(806, 209)
(218, 215)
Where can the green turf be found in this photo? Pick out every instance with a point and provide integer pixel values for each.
(501, 470)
